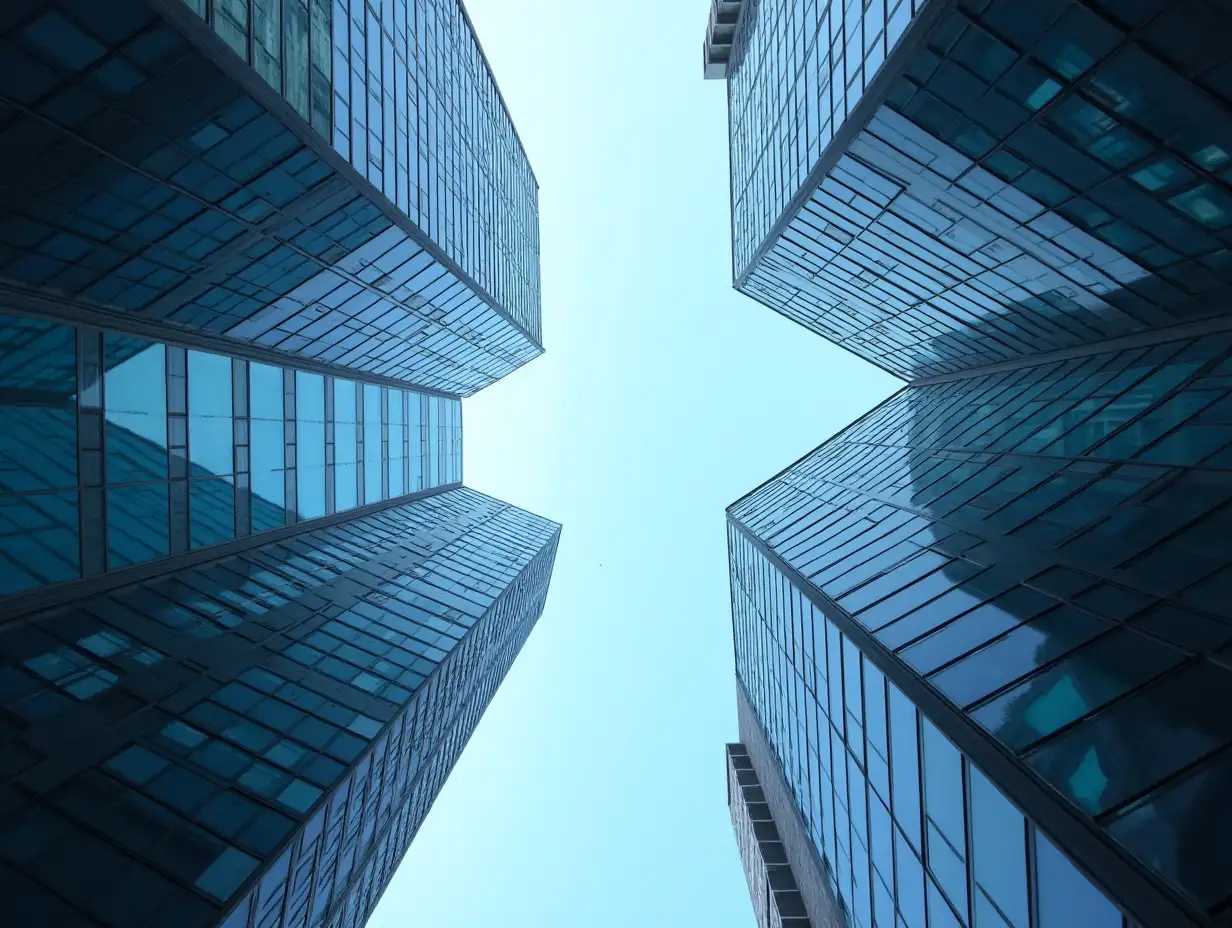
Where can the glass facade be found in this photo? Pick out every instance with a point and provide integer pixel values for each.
(1024, 177)
(1045, 548)
(911, 833)
(254, 740)
(116, 450)
(157, 180)
(253, 253)
(798, 67)
(986, 628)
(405, 94)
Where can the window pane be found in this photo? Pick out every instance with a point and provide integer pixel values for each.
(943, 806)
(1088, 678)
(905, 764)
(397, 435)
(372, 444)
(38, 424)
(346, 489)
(310, 444)
(1066, 898)
(38, 452)
(211, 512)
(999, 849)
(916, 596)
(1050, 636)
(435, 442)
(976, 627)
(209, 414)
(910, 880)
(1182, 831)
(267, 441)
(136, 410)
(137, 524)
(1141, 739)
(295, 44)
(224, 876)
(878, 733)
(415, 427)
(38, 533)
(940, 915)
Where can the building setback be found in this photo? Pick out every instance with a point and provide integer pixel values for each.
(985, 629)
(253, 254)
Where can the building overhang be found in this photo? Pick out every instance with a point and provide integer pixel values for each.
(720, 37)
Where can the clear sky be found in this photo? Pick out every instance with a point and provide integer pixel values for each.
(593, 793)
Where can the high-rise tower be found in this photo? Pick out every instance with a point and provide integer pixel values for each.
(984, 631)
(252, 256)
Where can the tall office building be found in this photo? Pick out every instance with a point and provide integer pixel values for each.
(983, 635)
(252, 255)
(326, 182)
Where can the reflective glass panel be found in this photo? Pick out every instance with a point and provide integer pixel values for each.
(415, 426)
(38, 453)
(137, 524)
(267, 443)
(136, 410)
(397, 439)
(209, 414)
(999, 850)
(346, 470)
(372, 444)
(1066, 897)
(310, 444)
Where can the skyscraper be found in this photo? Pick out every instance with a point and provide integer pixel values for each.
(332, 183)
(982, 634)
(252, 255)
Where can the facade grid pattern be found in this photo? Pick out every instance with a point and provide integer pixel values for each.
(153, 182)
(1025, 183)
(798, 67)
(1027, 215)
(260, 735)
(402, 90)
(1043, 547)
(909, 831)
(117, 450)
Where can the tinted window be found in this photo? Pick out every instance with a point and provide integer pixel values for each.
(1066, 897)
(267, 441)
(310, 444)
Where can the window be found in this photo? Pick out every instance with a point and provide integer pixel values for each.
(397, 437)
(1090, 677)
(1140, 740)
(999, 852)
(310, 444)
(1066, 897)
(905, 764)
(73, 672)
(1046, 638)
(210, 448)
(943, 807)
(266, 446)
(225, 875)
(372, 444)
(346, 470)
(136, 409)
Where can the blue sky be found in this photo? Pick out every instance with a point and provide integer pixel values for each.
(593, 791)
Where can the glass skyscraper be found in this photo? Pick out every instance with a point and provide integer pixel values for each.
(355, 196)
(252, 256)
(984, 635)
